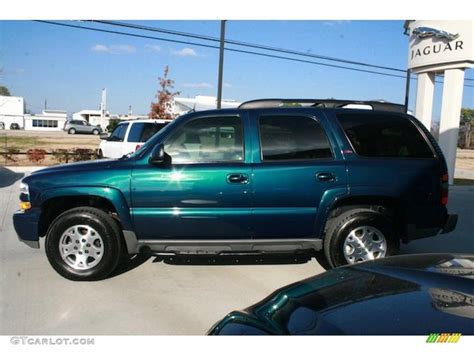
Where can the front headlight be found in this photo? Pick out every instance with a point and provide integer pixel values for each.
(25, 203)
(24, 189)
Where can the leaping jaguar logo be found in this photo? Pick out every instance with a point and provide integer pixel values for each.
(425, 32)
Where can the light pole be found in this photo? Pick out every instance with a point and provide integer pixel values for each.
(221, 65)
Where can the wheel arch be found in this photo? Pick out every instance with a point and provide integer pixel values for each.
(56, 201)
(386, 204)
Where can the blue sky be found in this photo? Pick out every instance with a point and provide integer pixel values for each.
(69, 67)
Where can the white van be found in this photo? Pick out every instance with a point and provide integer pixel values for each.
(128, 136)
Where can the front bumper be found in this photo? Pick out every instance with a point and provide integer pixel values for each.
(26, 227)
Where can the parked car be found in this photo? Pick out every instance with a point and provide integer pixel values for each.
(128, 136)
(14, 126)
(78, 126)
(2, 125)
(400, 295)
(345, 184)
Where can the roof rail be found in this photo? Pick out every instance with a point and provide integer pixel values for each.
(322, 103)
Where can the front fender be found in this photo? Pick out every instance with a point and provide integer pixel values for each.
(113, 195)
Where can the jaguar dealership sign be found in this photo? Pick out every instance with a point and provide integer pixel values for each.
(443, 44)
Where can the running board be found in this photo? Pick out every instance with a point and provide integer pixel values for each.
(227, 246)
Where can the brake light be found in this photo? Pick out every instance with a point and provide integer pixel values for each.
(444, 189)
(138, 146)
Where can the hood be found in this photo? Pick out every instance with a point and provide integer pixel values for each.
(383, 297)
(82, 165)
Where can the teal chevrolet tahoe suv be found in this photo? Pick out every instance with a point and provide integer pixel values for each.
(345, 181)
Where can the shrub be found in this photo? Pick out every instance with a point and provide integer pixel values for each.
(36, 155)
(10, 155)
(61, 155)
(81, 154)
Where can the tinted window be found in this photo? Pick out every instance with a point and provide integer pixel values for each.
(142, 131)
(119, 133)
(210, 139)
(293, 138)
(384, 136)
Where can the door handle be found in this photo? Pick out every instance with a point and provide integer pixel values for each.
(328, 177)
(237, 179)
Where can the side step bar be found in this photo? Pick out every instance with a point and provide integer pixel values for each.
(230, 246)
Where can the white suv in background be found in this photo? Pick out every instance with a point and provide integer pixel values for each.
(128, 136)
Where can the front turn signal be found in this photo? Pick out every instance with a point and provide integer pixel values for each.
(25, 205)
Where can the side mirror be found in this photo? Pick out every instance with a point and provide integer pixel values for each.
(104, 136)
(157, 156)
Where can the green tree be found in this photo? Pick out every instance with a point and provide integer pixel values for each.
(4, 91)
(467, 115)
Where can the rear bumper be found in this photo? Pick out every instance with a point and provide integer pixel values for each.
(412, 232)
(26, 227)
(450, 223)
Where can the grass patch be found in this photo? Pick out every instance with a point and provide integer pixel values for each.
(463, 182)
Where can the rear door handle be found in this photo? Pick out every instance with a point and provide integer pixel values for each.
(329, 177)
(237, 179)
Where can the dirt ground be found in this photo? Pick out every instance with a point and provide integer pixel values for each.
(49, 141)
(465, 159)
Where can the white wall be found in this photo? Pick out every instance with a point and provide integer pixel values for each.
(12, 106)
(8, 120)
(11, 110)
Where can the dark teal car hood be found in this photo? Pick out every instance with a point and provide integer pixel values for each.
(80, 166)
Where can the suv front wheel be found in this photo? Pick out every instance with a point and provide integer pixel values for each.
(359, 235)
(83, 244)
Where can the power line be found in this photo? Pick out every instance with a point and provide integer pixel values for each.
(247, 44)
(216, 47)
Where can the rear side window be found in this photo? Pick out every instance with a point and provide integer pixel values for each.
(119, 133)
(292, 138)
(142, 131)
(381, 135)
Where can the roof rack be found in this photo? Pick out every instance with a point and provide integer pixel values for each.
(323, 103)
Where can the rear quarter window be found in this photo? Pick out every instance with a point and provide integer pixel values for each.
(384, 135)
(142, 131)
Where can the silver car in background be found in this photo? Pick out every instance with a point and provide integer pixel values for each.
(79, 126)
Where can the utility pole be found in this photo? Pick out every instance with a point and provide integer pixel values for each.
(407, 89)
(221, 65)
(45, 104)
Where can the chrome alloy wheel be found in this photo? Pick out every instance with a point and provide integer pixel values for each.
(81, 247)
(364, 243)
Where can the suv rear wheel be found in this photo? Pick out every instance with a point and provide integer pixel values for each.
(359, 235)
(84, 244)
(71, 131)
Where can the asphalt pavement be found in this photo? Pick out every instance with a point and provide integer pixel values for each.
(154, 296)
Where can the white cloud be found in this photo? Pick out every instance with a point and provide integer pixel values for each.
(153, 47)
(202, 85)
(226, 85)
(113, 49)
(185, 52)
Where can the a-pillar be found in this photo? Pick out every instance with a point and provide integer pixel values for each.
(424, 98)
(450, 116)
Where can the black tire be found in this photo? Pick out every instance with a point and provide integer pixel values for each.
(341, 226)
(100, 155)
(71, 131)
(95, 132)
(108, 230)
